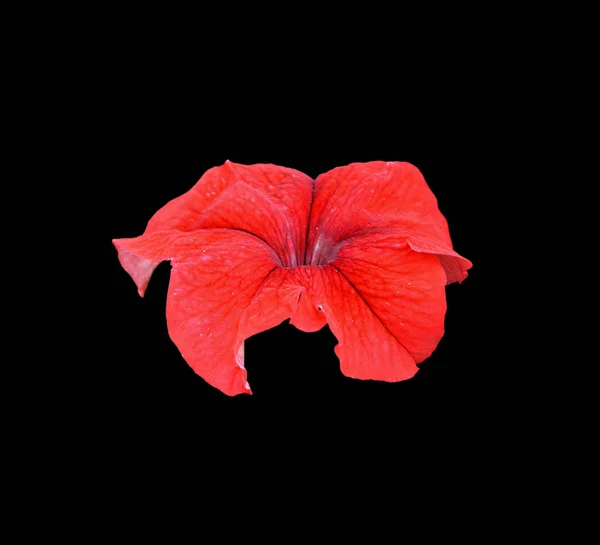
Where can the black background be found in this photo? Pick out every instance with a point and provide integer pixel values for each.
(150, 410)
(156, 131)
(149, 121)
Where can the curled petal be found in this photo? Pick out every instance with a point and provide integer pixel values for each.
(287, 293)
(367, 348)
(380, 196)
(268, 201)
(404, 289)
(216, 274)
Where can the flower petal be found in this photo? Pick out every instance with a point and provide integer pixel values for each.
(285, 294)
(269, 201)
(404, 289)
(314, 296)
(374, 196)
(367, 349)
(216, 274)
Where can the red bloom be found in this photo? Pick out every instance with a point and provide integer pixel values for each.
(363, 248)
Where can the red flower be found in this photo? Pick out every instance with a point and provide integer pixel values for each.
(363, 248)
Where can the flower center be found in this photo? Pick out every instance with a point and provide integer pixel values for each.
(322, 252)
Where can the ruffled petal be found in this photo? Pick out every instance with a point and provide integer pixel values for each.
(268, 201)
(287, 293)
(403, 289)
(375, 196)
(216, 274)
(367, 348)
